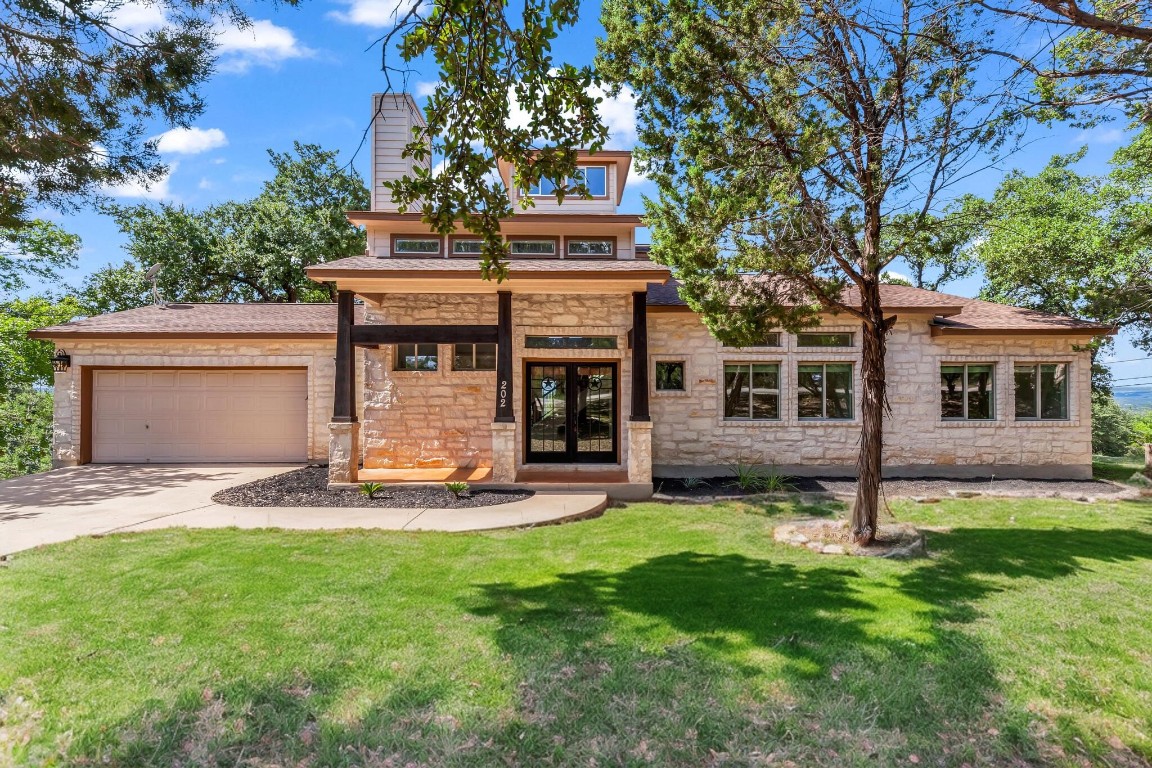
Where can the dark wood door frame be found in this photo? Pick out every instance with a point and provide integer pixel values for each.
(571, 405)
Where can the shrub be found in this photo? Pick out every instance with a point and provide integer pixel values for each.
(692, 483)
(752, 479)
(371, 489)
(1112, 426)
(457, 489)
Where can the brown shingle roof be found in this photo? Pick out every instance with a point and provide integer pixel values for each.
(204, 321)
(955, 314)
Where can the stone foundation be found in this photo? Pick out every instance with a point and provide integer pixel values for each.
(343, 452)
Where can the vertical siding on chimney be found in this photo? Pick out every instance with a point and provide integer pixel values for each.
(394, 118)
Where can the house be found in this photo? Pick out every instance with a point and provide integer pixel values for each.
(585, 365)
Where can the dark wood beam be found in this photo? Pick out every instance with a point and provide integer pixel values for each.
(504, 396)
(640, 356)
(344, 397)
(365, 335)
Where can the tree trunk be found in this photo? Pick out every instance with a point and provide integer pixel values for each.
(873, 404)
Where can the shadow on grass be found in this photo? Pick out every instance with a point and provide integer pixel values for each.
(681, 659)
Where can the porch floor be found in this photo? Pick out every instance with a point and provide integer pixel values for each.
(427, 475)
(598, 477)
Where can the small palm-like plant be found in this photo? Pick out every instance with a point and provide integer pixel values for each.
(457, 488)
(371, 489)
(692, 483)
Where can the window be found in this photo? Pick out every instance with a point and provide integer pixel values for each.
(467, 246)
(542, 187)
(824, 339)
(591, 247)
(751, 391)
(532, 247)
(670, 376)
(824, 391)
(968, 392)
(771, 339)
(1042, 391)
(416, 357)
(474, 357)
(570, 342)
(416, 246)
(594, 177)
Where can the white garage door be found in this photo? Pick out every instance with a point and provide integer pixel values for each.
(199, 415)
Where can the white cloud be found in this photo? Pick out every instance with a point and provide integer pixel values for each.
(261, 42)
(619, 114)
(1100, 136)
(137, 18)
(381, 14)
(425, 88)
(158, 191)
(205, 184)
(191, 141)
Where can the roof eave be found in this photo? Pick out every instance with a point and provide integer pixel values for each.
(50, 334)
(1090, 332)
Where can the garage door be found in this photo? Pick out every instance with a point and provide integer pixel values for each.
(199, 415)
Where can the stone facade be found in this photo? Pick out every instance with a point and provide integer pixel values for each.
(691, 435)
(443, 418)
(315, 355)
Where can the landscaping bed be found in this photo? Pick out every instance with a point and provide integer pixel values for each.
(710, 488)
(308, 487)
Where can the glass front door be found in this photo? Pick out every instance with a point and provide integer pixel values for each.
(571, 412)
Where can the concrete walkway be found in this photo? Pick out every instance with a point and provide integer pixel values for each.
(95, 499)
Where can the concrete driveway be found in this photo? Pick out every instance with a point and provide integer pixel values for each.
(103, 498)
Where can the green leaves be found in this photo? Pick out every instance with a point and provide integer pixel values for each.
(38, 250)
(255, 250)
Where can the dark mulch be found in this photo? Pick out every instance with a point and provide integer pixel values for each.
(308, 488)
(727, 486)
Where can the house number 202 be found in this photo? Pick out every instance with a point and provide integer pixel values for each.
(503, 394)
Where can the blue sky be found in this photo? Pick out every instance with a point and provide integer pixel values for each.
(308, 73)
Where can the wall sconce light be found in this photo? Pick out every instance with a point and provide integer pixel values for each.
(61, 361)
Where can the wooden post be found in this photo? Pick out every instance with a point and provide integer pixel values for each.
(1148, 459)
(344, 396)
(640, 356)
(504, 396)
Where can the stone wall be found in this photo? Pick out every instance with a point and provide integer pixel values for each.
(691, 436)
(315, 355)
(444, 417)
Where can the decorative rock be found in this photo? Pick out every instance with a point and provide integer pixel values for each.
(798, 538)
(926, 499)
(833, 549)
(964, 494)
(815, 546)
(1140, 479)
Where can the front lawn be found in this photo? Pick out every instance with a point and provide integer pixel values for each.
(670, 635)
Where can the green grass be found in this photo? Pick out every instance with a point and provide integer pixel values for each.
(658, 634)
(1116, 468)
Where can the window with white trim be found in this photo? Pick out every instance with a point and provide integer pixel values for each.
(462, 247)
(417, 246)
(594, 177)
(532, 247)
(583, 247)
(968, 392)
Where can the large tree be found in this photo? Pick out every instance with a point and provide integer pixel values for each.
(783, 138)
(254, 250)
(1075, 244)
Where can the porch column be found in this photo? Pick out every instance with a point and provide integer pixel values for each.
(640, 356)
(344, 430)
(504, 425)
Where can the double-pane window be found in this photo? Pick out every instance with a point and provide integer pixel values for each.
(474, 357)
(751, 391)
(1042, 391)
(594, 178)
(824, 391)
(824, 340)
(968, 392)
(770, 339)
(416, 357)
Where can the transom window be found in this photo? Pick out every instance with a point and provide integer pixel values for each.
(669, 376)
(463, 247)
(474, 357)
(583, 247)
(968, 392)
(824, 391)
(532, 247)
(570, 342)
(595, 179)
(751, 391)
(771, 339)
(824, 340)
(416, 357)
(1042, 391)
(423, 246)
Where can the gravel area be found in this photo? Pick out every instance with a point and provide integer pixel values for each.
(308, 488)
(726, 486)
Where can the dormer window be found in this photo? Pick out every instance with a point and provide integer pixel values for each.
(594, 177)
(542, 188)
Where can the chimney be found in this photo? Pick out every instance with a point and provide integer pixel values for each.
(395, 117)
